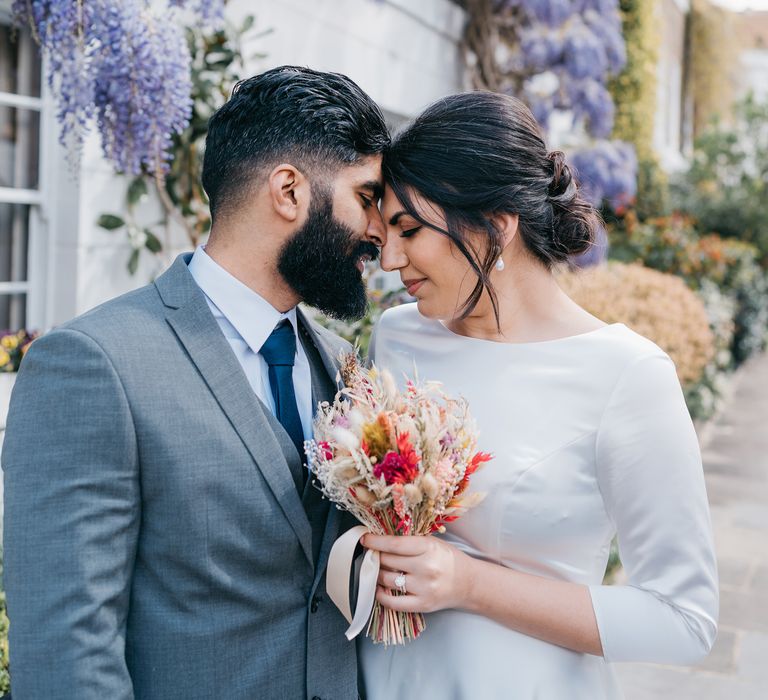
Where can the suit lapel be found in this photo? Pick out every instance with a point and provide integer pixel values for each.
(328, 355)
(194, 325)
(324, 386)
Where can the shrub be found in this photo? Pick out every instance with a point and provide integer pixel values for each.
(13, 347)
(726, 186)
(654, 304)
(359, 332)
(672, 245)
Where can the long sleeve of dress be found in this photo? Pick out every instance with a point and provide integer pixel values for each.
(650, 475)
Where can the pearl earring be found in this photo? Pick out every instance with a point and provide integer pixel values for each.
(500, 264)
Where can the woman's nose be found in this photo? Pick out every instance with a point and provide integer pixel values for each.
(393, 256)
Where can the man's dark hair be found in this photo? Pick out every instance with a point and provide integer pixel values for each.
(316, 121)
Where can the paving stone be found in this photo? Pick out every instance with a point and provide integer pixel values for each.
(754, 516)
(735, 455)
(753, 658)
(760, 579)
(648, 682)
(722, 658)
(734, 573)
(747, 611)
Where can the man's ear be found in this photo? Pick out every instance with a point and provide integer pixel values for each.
(288, 191)
(506, 224)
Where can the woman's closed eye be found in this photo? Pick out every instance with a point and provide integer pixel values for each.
(409, 232)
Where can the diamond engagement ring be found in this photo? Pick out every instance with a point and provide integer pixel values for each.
(400, 583)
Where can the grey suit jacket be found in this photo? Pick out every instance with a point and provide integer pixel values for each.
(156, 545)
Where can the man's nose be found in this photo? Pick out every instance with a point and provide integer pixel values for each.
(376, 233)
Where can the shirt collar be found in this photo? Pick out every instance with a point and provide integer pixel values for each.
(252, 316)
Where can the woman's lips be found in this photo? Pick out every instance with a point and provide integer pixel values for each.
(413, 286)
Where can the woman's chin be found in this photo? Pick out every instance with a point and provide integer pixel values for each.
(428, 310)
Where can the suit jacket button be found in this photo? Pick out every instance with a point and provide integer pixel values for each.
(316, 697)
(313, 608)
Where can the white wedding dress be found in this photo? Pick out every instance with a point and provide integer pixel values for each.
(591, 437)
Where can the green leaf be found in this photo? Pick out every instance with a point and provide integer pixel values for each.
(247, 24)
(133, 261)
(136, 190)
(110, 222)
(153, 242)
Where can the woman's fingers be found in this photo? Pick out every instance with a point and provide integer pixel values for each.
(403, 603)
(393, 562)
(403, 545)
(387, 579)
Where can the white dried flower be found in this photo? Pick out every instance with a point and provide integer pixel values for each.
(345, 438)
(429, 485)
(413, 495)
(389, 386)
(364, 495)
(356, 419)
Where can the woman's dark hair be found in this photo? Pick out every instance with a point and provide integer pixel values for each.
(478, 154)
(317, 121)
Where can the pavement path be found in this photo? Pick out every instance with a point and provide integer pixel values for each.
(735, 452)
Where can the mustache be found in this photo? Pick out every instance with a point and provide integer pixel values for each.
(365, 248)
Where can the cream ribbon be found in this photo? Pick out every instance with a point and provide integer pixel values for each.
(337, 579)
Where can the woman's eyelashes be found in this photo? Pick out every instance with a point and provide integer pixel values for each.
(409, 232)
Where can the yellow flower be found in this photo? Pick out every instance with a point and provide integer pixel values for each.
(376, 438)
(5, 358)
(9, 342)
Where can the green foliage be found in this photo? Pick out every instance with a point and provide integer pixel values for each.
(726, 275)
(652, 189)
(359, 332)
(634, 94)
(634, 89)
(726, 187)
(713, 49)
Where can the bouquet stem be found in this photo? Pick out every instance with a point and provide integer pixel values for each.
(394, 627)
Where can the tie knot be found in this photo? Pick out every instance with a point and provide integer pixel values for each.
(280, 347)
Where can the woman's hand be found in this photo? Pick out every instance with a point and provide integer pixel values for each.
(437, 574)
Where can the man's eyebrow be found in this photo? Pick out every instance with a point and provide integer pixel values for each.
(396, 217)
(374, 186)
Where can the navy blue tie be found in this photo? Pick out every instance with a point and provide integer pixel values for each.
(280, 351)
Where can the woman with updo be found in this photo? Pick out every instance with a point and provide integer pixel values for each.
(586, 420)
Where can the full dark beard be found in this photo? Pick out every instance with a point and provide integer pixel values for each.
(320, 263)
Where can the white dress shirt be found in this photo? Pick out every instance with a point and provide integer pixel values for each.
(247, 320)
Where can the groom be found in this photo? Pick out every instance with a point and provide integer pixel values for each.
(162, 540)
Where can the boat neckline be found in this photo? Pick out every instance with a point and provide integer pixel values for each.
(534, 343)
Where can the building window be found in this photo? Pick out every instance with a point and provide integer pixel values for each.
(20, 113)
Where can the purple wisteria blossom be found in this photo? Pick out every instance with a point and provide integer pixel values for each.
(210, 12)
(142, 86)
(123, 62)
(606, 172)
(578, 45)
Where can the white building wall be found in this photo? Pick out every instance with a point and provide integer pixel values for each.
(404, 54)
(754, 73)
(671, 19)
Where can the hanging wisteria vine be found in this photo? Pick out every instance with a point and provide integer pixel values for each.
(124, 64)
(557, 56)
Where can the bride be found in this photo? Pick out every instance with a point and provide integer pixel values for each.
(587, 423)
